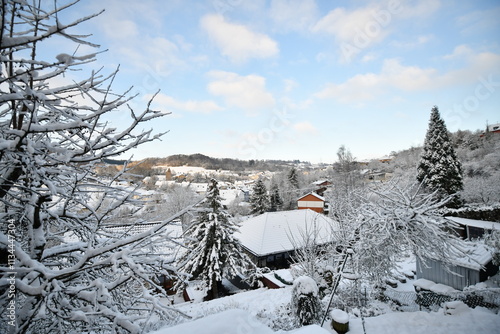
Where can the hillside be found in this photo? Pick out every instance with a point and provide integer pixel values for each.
(200, 160)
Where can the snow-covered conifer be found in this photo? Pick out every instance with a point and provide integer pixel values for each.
(293, 178)
(275, 201)
(259, 199)
(439, 168)
(305, 301)
(212, 252)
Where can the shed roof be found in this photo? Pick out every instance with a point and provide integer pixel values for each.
(477, 255)
(487, 225)
(276, 232)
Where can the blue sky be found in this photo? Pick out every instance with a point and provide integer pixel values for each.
(296, 79)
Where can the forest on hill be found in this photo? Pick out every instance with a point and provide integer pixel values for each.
(144, 167)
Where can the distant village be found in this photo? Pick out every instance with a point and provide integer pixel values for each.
(268, 238)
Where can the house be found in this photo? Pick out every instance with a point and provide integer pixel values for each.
(376, 176)
(471, 228)
(312, 201)
(270, 239)
(168, 175)
(385, 159)
(321, 186)
(460, 272)
(493, 128)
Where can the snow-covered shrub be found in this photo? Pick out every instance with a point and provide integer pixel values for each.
(305, 301)
(492, 240)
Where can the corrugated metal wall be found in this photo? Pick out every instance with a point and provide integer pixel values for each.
(435, 271)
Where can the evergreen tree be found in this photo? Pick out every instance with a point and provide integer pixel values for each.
(439, 168)
(276, 203)
(212, 251)
(259, 199)
(293, 178)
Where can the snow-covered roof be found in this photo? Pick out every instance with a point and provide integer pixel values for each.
(313, 194)
(475, 223)
(174, 229)
(494, 127)
(477, 255)
(276, 232)
(229, 195)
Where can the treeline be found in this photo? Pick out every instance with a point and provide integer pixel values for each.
(144, 167)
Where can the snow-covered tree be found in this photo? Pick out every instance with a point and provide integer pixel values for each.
(177, 198)
(259, 200)
(492, 240)
(212, 252)
(293, 178)
(395, 222)
(439, 168)
(275, 201)
(73, 271)
(347, 176)
(305, 301)
(483, 190)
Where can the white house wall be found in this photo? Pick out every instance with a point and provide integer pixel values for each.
(310, 204)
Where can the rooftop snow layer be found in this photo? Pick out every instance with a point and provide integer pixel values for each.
(475, 223)
(277, 232)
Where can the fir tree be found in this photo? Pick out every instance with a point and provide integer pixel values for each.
(276, 203)
(212, 251)
(439, 168)
(293, 178)
(259, 199)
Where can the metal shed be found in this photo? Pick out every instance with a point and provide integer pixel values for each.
(459, 273)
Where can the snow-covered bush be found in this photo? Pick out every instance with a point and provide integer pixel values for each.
(305, 301)
(492, 240)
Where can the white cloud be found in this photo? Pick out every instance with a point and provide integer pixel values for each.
(293, 15)
(245, 92)
(127, 28)
(360, 28)
(420, 9)
(459, 52)
(133, 34)
(480, 21)
(236, 41)
(170, 103)
(290, 85)
(305, 128)
(368, 57)
(394, 75)
(346, 25)
(410, 44)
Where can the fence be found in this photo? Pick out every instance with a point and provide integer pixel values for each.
(410, 301)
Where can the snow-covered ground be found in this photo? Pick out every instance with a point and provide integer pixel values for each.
(461, 320)
(258, 311)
